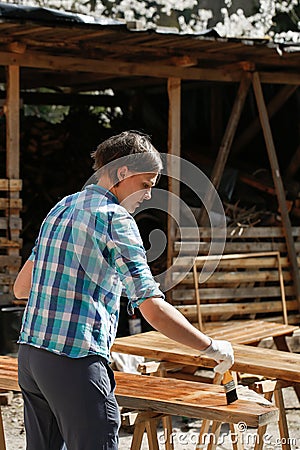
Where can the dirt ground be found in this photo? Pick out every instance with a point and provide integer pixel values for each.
(185, 431)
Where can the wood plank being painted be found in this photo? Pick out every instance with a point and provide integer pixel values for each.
(175, 397)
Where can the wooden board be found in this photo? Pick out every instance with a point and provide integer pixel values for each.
(175, 397)
(255, 360)
(190, 399)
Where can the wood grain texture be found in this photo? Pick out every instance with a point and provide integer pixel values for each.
(174, 397)
(254, 360)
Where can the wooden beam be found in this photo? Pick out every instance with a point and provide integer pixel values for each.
(173, 168)
(115, 67)
(274, 105)
(224, 150)
(280, 77)
(263, 115)
(121, 68)
(12, 112)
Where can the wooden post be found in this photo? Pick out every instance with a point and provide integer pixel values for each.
(263, 115)
(224, 150)
(174, 136)
(12, 112)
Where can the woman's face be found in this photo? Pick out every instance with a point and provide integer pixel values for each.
(133, 188)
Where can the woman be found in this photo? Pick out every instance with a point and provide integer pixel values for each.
(88, 250)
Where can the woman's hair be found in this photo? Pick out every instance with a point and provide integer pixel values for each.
(129, 148)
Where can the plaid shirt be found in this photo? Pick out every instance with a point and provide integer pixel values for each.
(88, 250)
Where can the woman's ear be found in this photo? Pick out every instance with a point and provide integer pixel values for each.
(122, 173)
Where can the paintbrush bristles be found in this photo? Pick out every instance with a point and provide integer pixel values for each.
(230, 388)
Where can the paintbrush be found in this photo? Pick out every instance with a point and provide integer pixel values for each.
(229, 387)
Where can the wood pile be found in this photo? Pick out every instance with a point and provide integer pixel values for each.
(10, 242)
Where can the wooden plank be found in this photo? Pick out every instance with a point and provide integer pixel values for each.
(173, 397)
(190, 399)
(230, 293)
(10, 203)
(236, 309)
(13, 223)
(247, 331)
(263, 115)
(255, 360)
(7, 243)
(10, 261)
(173, 167)
(231, 247)
(225, 146)
(247, 276)
(186, 233)
(10, 185)
(12, 112)
(225, 263)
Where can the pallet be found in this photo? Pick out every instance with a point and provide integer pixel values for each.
(10, 242)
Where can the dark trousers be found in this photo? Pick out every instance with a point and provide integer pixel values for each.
(67, 400)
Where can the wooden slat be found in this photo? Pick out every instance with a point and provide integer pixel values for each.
(234, 276)
(8, 243)
(11, 185)
(247, 331)
(186, 233)
(232, 247)
(10, 261)
(12, 113)
(223, 293)
(236, 309)
(10, 203)
(187, 398)
(12, 223)
(255, 360)
(174, 138)
(186, 261)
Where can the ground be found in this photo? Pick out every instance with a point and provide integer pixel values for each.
(185, 430)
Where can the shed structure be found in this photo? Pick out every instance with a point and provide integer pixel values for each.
(47, 48)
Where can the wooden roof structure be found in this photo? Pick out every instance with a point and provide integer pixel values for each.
(40, 47)
(48, 45)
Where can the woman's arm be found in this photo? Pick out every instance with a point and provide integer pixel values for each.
(166, 319)
(22, 284)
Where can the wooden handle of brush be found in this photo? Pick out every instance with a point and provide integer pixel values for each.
(227, 377)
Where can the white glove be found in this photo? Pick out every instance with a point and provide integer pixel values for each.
(222, 353)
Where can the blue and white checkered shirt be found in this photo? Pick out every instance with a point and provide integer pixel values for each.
(88, 250)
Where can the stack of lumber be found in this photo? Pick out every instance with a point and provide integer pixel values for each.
(10, 242)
